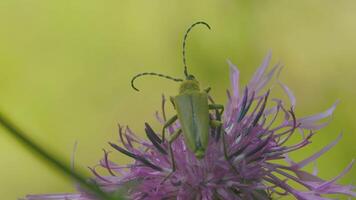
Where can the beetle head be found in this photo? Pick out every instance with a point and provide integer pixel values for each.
(190, 77)
(189, 85)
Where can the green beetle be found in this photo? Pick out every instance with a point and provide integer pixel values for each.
(192, 109)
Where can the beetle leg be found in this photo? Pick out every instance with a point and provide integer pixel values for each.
(225, 148)
(215, 123)
(226, 154)
(219, 108)
(163, 107)
(173, 137)
(207, 90)
(218, 124)
(167, 124)
(172, 101)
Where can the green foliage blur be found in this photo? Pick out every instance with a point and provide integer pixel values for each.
(65, 69)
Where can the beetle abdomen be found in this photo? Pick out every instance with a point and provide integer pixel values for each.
(193, 115)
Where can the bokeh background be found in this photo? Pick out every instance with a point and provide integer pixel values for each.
(65, 68)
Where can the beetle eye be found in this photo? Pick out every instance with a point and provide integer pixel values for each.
(191, 77)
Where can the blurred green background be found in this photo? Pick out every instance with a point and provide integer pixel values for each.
(65, 68)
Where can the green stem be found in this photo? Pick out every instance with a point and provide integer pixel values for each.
(55, 162)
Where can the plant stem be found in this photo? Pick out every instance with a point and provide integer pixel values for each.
(51, 159)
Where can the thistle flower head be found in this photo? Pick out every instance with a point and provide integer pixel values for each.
(246, 159)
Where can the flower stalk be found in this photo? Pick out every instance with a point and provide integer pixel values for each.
(53, 160)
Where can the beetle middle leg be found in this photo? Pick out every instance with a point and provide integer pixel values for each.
(167, 124)
(173, 137)
(219, 109)
(215, 123)
(218, 124)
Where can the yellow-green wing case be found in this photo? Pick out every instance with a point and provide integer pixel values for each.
(193, 115)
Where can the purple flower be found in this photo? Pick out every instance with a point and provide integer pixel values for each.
(249, 160)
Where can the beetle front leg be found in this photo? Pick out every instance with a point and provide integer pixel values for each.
(167, 124)
(173, 137)
(171, 99)
(207, 90)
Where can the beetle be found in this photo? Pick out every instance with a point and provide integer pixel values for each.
(192, 107)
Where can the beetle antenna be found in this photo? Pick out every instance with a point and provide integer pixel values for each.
(184, 43)
(152, 74)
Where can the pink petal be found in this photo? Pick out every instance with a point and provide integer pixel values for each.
(310, 122)
(328, 183)
(290, 94)
(56, 197)
(234, 78)
(309, 196)
(316, 155)
(260, 71)
(265, 79)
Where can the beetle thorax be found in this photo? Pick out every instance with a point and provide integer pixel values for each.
(189, 86)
